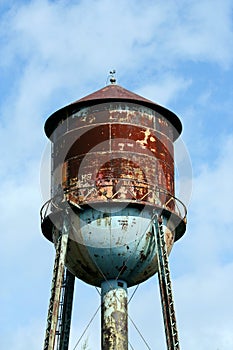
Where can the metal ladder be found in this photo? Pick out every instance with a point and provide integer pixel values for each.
(64, 318)
(167, 301)
(56, 303)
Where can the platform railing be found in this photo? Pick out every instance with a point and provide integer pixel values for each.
(115, 190)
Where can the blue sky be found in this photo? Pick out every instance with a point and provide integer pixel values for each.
(177, 53)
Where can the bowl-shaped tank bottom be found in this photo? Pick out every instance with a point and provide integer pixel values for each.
(113, 242)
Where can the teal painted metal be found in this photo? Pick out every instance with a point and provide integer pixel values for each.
(122, 237)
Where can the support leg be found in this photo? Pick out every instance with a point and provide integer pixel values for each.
(114, 315)
(166, 288)
(66, 303)
(58, 273)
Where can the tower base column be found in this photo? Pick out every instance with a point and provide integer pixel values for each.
(114, 317)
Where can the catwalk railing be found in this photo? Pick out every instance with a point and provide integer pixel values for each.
(115, 190)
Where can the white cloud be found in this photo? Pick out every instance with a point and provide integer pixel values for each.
(201, 33)
(165, 89)
(209, 214)
(92, 36)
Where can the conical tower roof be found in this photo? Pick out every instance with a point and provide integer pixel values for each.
(115, 92)
(112, 92)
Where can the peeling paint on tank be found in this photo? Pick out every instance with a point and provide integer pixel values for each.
(108, 155)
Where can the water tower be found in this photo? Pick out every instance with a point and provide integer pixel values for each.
(113, 216)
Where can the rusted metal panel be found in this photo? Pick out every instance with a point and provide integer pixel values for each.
(114, 112)
(117, 174)
(101, 155)
(109, 155)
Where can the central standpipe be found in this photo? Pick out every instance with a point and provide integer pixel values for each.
(114, 317)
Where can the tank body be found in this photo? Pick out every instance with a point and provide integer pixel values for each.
(113, 168)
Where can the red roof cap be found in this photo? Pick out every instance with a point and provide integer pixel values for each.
(115, 92)
(110, 93)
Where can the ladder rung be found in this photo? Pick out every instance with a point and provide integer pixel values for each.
(166, 287)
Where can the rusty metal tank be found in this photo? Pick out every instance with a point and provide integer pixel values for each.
(113, 175)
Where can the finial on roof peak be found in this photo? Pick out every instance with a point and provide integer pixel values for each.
(112, 77)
